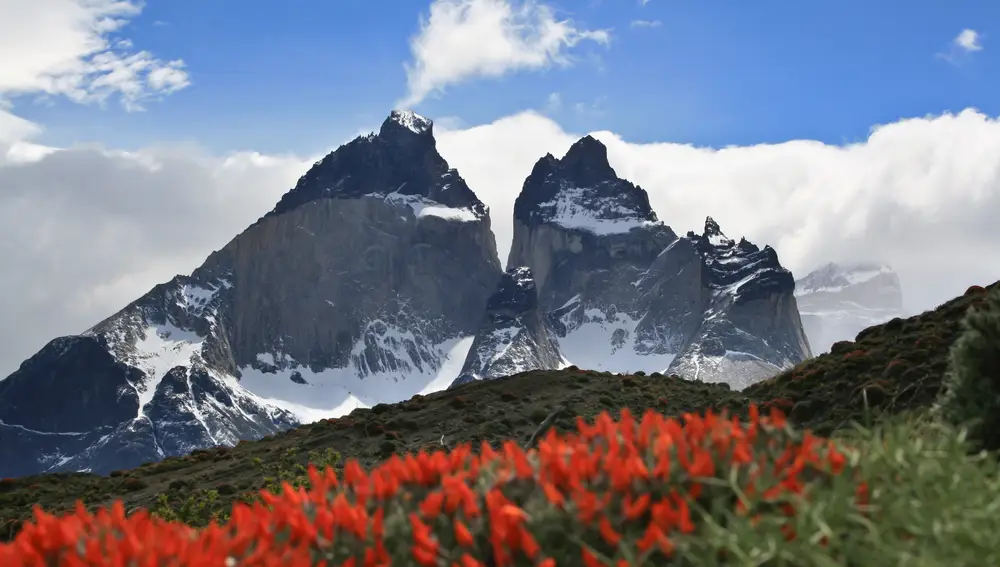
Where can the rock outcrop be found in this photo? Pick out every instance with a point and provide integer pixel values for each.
(750, 324)
(514, 336)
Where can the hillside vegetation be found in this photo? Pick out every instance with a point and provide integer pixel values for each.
(695, 490)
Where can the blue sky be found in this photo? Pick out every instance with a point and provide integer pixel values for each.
(304, 75)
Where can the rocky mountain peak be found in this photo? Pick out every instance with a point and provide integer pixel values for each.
(400, 162)
(586, 162)
(356, 289)
(514, 296)
(712, 237)
(406, 121)
(514, 336)
(744, 269)
(711, 227)
(581, 191)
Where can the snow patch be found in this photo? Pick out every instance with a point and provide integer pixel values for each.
(719, 239)
(162, 347)
(424, 207)
(573, 300)
(567, 209)
(335, 392)
(734, 288)
(608, 343)
(412, 121)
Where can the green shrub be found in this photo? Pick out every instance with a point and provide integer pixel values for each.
(971, 393)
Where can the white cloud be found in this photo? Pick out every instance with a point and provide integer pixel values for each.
(465, 39)
(969, 40)
(646, 23)
(70, 48)
(922, 194)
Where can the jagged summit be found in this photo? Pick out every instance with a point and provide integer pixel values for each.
(581, 191)
(714, 235)
(741, 268)
(364, 285)
(408, 120)
(401, 162)
(587, 160)
(513, 336)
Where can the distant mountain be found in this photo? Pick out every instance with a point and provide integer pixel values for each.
(837, 301)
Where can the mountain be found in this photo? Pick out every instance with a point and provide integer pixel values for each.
(623, 292)
(376, 278)
(365, 284)
(514, 336)
(836, 301)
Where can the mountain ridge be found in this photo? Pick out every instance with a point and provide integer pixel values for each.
(376, 278)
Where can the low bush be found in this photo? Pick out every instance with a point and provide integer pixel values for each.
(971, 396)
(700, 490)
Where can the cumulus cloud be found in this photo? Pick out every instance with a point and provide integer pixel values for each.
(70, 48)
(968, 40)
(465, 39)
(962, 46)
(922, 194)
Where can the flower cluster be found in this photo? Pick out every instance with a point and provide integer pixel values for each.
(613, 493)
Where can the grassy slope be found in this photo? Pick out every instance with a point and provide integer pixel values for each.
(898, 365)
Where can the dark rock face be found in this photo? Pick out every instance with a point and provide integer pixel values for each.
(837, 301)
(357, 288)
(581, 190)
(578, 226)
(514, 336)
(751, 326)
(402, 159)
(622, 292)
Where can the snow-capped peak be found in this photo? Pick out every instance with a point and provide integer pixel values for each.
(582, 192)
(835, 277)
(714, 234)
(411, 121)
